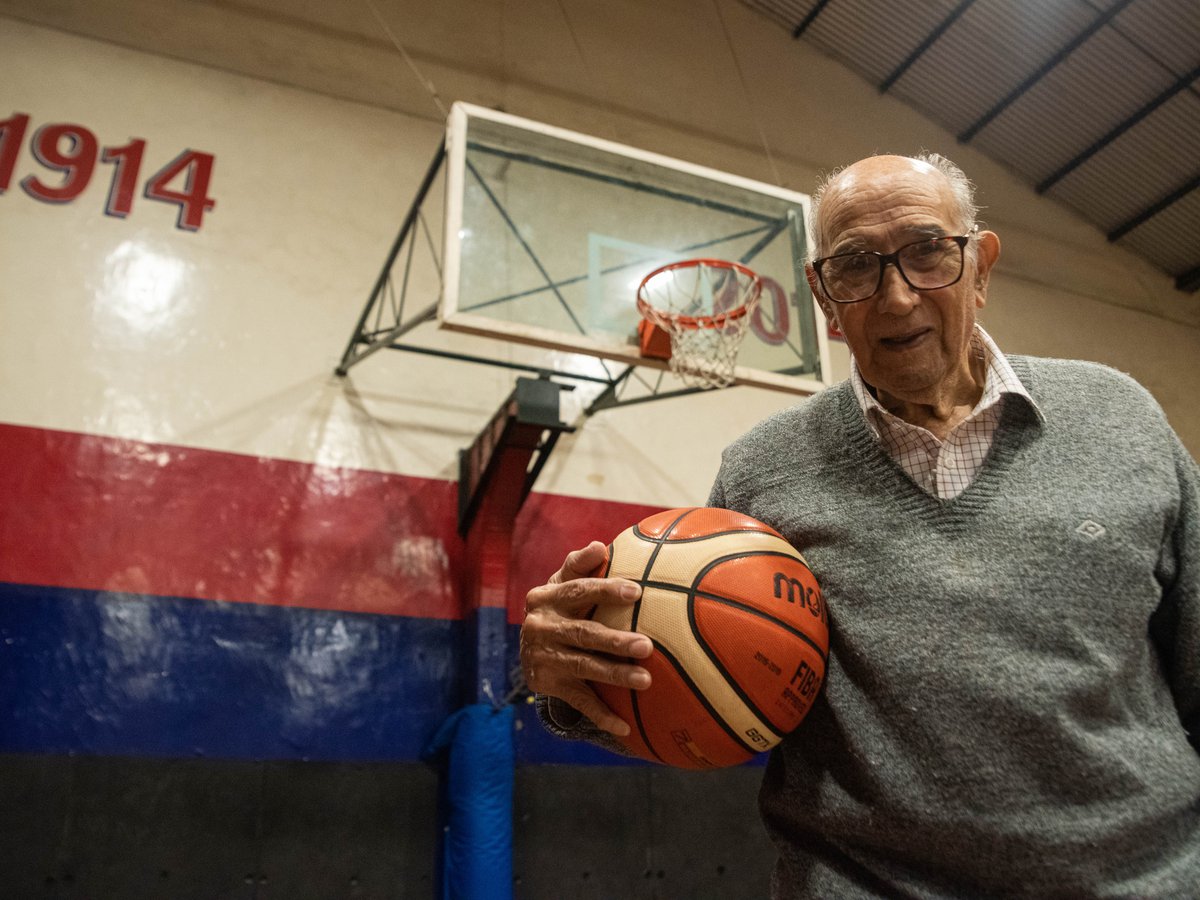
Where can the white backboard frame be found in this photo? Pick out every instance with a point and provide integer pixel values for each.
(452, 318)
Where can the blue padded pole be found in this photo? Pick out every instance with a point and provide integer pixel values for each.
(477, 843)
(477, 784)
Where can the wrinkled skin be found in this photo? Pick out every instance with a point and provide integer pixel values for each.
(562, 650)
(912, 347)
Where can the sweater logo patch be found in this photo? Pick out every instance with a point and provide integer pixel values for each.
(1090, 530)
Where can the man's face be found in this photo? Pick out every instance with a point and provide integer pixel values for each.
(909, 344)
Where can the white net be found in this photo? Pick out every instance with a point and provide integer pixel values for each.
(705, 306)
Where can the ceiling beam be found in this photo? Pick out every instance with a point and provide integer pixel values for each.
(1189, 281)
(810, 18)
(930, 40)
(1180, 85)
(1151, 211)
(1042, 71)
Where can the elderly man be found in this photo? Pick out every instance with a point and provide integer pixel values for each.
(1009, 549)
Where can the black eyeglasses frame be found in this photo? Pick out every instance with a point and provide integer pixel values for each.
(893, 259)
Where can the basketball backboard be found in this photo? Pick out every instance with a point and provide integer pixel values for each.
(549, 232)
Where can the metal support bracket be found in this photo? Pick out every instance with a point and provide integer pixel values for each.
(380, 337)
(519, 438)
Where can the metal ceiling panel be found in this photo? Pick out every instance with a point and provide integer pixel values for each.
(1168, 30)
(1094, 102)
(870, 36)
(1138, 169)
(1149, 106)
(1097, 87)
(1171, 240)
(989, 52)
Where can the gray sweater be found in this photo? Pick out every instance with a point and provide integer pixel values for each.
(1014, 679)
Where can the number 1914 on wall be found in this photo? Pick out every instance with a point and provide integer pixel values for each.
(74, 151)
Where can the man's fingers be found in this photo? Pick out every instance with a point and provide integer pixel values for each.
(557, 672)
(547, 632)
(580, 563)
(584, 699)
(589, 635)
(577, 596)
(563, 652)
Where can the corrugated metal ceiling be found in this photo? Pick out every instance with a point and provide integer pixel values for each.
(1092, 102)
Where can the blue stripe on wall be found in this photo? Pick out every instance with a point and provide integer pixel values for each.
(121, 674)
(113, 674)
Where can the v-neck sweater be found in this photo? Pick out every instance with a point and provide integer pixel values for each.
(1013, 684)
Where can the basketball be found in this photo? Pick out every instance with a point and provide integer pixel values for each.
(740, 637)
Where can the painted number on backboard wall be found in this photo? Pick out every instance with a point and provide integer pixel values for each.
(73, 152)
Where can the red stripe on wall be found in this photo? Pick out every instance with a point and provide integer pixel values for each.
(99, 513)
(104, 514)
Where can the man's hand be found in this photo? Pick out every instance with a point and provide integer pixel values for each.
(562, 650)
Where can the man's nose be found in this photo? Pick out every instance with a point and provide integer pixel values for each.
(895, 295)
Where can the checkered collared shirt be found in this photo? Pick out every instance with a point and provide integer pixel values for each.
(946, 468)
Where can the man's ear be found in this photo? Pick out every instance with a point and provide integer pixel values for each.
(987, 251)
(814, 285)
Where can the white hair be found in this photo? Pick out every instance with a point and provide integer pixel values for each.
(961, 188)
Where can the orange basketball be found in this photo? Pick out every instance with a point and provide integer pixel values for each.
(740, 637)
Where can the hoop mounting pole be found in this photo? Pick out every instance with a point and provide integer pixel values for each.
(495, 478)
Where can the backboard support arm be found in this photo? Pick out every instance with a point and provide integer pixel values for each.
(375, 341)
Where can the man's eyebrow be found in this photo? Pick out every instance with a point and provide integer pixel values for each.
(858, 244)
(919, 232)
(849, 245)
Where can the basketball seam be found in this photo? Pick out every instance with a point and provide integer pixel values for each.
(693, 591)
(637, 718)
(703, 644)
(730, 680)
(743, 554)
(707, 536)
(757, 612)
(609, 564)
(696, 691)
(658, 542)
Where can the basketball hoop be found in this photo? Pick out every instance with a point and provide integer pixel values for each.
(704, 307)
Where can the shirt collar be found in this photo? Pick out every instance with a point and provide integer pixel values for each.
(1000, 381)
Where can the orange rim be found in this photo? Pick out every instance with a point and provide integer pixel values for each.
(676, 320)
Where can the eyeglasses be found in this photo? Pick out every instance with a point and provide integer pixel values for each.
(924, 265)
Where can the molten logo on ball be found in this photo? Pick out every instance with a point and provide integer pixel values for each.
(740, 636)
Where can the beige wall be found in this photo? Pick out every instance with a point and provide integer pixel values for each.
(232, 343)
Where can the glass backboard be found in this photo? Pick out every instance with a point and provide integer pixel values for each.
(549, 233)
